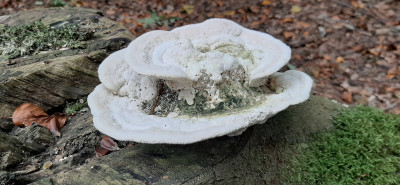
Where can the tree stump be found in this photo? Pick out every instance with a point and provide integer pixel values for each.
(48, 78)
(260, 155)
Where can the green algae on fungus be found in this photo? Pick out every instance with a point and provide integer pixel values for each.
(233, 96)
(18, 41)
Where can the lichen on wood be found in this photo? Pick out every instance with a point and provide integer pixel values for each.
(17, 41)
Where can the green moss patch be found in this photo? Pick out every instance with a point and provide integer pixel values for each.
(73, 108)
(364, 148)
(17, 41)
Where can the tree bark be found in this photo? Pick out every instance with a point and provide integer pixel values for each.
(49, 78)
(261, 155)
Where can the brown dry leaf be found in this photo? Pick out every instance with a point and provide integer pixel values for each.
(376, 51)
(339, 59)
(229, 13)
(100, 151)
(327, 57)
(357, 4)
(254, 8)
(390, 75)
(315, 73)
(287, 34)
(27, 114)
(110, 12)
(108, 143)
(302, 24)
(47, 165)
(256, 23)
(267, 2)
(347, 97)
(286, 20)
(392, 72)
(336, 18)
(357, 48)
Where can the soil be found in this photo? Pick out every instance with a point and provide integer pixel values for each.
(351, 48)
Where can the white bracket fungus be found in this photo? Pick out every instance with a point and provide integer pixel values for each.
(197, 81)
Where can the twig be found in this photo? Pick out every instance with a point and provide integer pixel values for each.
(160, 88)
(5, 117)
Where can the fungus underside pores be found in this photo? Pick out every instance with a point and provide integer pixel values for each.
(197, 81)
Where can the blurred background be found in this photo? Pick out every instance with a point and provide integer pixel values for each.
(350, 47)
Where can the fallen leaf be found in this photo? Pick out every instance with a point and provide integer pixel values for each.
(302, 24)
(327, 57)
(108, 143)
(336, 18)
(389, 89)
(286, 20)
(357, 48)
(189, 9)
(347, 97)
(255, 23)
(357, 4)
(110, 12)
(165, 177)
(27, 114)
(295, 9)
(47, 165)
(354, 3)
(315, 73)
(229, 13)
(390, 75)
(287, 34)
(267, 2)
(376, 50)
(339, 59)
(100, 151)
(254, 8)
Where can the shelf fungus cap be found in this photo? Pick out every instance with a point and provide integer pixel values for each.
(210, 46)
(218, 78)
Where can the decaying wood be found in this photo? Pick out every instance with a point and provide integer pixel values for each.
(260, 155)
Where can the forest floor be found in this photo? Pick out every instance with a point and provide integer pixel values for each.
(350, 47)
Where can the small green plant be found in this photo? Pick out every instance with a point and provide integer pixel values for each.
(73, 108)
(364, 148)
(58, 3)
(157, 20)
(17, 41)
(291, 66)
